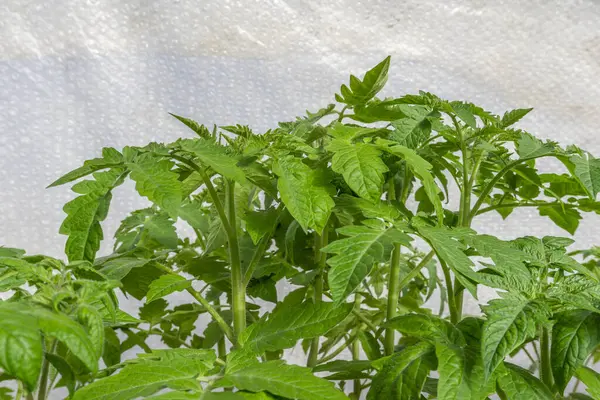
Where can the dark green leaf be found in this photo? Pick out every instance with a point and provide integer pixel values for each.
(355, 255)
(155, 180)
(166, 285)
(286, 326)
(574, 336)
(289, 381)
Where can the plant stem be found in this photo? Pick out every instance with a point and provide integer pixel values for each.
(209, 308)
(451, 298)
(355, 348)
(51, 345)
(392, 303)
(337, 351)
(238, 286)
(545, 361)
(320, 260)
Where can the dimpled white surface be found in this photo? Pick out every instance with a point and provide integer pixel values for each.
(79, 75)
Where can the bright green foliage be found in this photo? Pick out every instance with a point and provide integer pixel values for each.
(587, 170)
(362, 91)
(574, 336)
(361, 166)
(510, 322)
(402, 376)
(215, 157)
(283, 328)
(305, 192)
(165, 285)
(20, 345)
(84, 214)
(364, 212)
(289, 381)
(145, 376)
(518, 383)
(591, 379)
(155, 180)
(356, 254)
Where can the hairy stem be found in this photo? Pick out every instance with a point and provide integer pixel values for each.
(42, 391)
(320, 260)
(545, 361)
(355, 348)
(392, 303)
(209, 308)
(238, 286)
(451, 298)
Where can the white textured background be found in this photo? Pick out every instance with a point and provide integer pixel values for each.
(78, 75)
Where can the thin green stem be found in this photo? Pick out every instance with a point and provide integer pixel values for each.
(42, 391)
(513, 205)
(209, 308)
(320, 259)
(355, 349)
(490, 186)
(238, 286)
(449, 289)
(211, 191)
(341, 117)
(392, 303)
(337, 351)
(545, 361)
(415, 271)
(258, 254)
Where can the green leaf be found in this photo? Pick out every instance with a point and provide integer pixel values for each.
(177, 395)
(587, 170)
(510, 322)
(449, 343)
(118, 268)
(70, 333)
(20, 344)
(451, 368)
(110, 158)
(67, 376)
(427, 327)
(175, 369)
(464, 111)
(565, 217)
(451, 251)
(155, 180)
(159, 227)
(284, 380)
(215, 157)
(518, 384)
(260, 223)
(166, 285)
(304, 191)
(362, 91)
(84, 214)
(283, 328)
(411, 132)
(574, 336)
(92, 320)
(402, 375)
(361, 166)
(530, 147)
(508, 259)
(511, 117)
(421, 169)
(355, 255)
(199, 129)
(591, 379)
